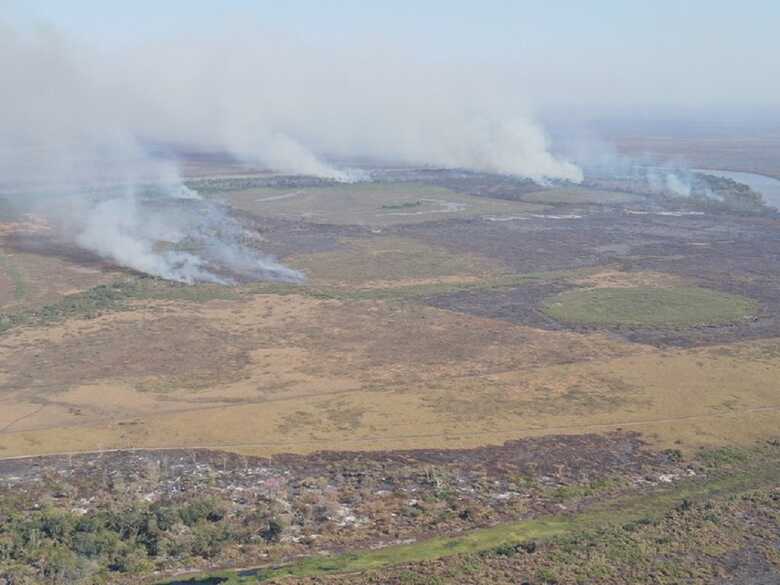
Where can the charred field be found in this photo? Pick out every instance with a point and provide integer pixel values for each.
(415, 396)
(563, 508)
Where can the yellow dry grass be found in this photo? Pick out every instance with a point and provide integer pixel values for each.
(316, 374)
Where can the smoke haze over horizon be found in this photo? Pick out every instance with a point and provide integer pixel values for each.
(76, 121)
(266, 101)
(295, 91)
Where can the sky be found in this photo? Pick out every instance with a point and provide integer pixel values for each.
(601, 53)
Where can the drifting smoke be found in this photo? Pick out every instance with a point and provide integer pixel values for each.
(295, 109)
(674, 182)
(74, 124)
(199, 241)
(68, 155)
(601, 161)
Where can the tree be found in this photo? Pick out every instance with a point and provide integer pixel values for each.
(58, 565)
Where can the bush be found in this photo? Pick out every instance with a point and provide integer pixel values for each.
(273, 531)
(209, 509)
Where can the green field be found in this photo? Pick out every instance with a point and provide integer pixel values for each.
(648, 307)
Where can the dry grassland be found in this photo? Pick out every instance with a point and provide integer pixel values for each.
(291, 373)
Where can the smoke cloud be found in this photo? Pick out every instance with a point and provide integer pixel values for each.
(75, 124)
(293, 108)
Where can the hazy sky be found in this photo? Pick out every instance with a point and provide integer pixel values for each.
(302, 86)
(317, 87)
(602, 52)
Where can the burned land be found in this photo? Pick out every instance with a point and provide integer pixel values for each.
(474, 370)
(179, 511)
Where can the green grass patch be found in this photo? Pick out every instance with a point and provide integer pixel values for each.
(648, 307)
(724, 456)
(483, 540)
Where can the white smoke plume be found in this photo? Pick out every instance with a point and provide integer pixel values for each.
(74, 122)
(293, 109)
(68, 153)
